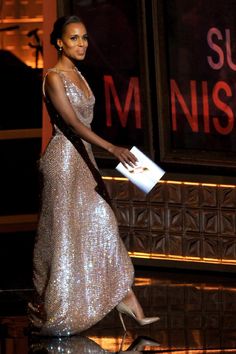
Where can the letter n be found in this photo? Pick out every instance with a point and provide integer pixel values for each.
(133, 92)
(192, 117)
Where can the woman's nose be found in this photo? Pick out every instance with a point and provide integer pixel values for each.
(80, 42)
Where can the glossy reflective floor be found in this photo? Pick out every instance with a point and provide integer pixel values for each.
(197, 315)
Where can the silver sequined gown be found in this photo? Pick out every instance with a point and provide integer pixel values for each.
(81, 267)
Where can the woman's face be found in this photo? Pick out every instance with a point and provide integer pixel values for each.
(74, 41)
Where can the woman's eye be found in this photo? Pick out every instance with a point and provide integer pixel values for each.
(75, 38)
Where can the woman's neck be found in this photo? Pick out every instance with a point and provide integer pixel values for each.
(63, 65)
(66, 69)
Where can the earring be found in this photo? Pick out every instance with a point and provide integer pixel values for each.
(60, 49)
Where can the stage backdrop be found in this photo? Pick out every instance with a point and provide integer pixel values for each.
(195, 57)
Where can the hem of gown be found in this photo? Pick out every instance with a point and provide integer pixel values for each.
(46, 332)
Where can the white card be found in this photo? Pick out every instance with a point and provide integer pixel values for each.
(145, 174)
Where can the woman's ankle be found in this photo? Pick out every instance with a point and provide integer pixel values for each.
(132, 302)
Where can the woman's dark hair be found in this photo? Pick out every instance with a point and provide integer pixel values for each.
(59, 27)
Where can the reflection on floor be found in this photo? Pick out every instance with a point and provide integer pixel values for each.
(197, 311)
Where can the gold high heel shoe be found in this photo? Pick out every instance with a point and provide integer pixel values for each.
(124, 309)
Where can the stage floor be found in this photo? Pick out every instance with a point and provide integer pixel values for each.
(197, 315)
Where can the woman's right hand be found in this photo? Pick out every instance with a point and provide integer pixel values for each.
(123, 155)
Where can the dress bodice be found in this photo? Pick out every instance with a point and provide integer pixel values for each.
(82, 105)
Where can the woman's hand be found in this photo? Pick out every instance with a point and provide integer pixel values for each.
(123, 155)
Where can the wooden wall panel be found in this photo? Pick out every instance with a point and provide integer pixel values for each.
(178, 220)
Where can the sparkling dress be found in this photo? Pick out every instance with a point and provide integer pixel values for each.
(81, 267)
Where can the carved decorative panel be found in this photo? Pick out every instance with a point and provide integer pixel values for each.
(210, 221)
(158, 194)
(227, 222)
(174, 193)
(140, 241)
(209, 196)
(211, 247)
(192, 245)
(140, 216)
(227, 197)
(123, 214)
(191, 196)
(157, 218)
(159, 243)
(178, 220)
(228, 247)
(175, 245)
(192, 220)
(175, 219)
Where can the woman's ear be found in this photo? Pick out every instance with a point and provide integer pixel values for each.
(59, 43)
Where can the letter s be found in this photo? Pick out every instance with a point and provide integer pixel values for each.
(218, 65)
(227, 126)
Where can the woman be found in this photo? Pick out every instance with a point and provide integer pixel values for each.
(81, 268)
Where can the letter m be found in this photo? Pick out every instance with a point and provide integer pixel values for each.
(123, 112)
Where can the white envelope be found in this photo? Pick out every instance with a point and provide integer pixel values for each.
(145, 174)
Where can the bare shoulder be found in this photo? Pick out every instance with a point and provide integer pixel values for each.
(52, 76)
(53, 80)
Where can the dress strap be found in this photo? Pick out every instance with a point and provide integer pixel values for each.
(43, 86)
(44, 80)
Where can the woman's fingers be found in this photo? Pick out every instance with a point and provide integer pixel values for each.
(125, 156)
(130, 159)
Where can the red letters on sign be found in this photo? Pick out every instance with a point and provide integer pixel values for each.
(192, 117)
(222, 125)
(132, 93)
(227, 127)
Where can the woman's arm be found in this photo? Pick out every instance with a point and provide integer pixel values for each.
(55, 90)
